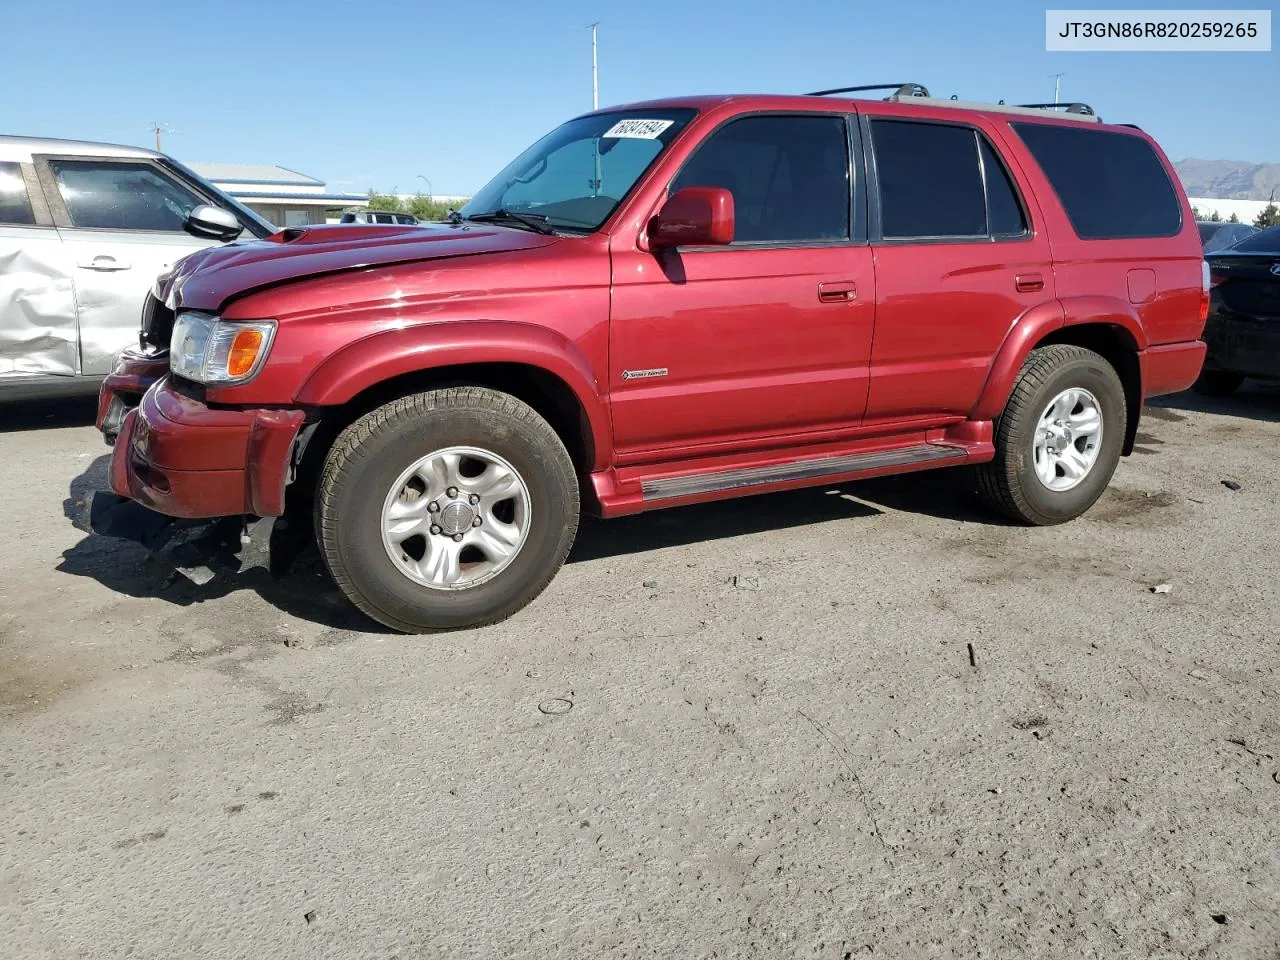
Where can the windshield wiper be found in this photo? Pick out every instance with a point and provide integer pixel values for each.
(534, 221)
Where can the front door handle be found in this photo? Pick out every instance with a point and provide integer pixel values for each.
(837, 291)
(104, 262)
(1028, 282)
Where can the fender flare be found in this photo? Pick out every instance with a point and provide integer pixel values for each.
(392, 353)
(1034, 326)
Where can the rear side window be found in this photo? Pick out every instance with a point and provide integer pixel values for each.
(15, 205)
(116, 195)
(1112, 185)
(789, 177)
(930, 182)
(941, 181)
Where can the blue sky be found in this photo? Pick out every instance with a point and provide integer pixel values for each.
(376, 92)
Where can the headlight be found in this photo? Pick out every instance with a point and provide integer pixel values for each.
(210, 350)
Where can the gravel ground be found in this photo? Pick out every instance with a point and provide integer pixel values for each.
(831, 723)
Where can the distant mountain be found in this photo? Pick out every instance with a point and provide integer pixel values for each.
(1229, 179)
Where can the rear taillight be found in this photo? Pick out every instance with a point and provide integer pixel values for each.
(1206, 282)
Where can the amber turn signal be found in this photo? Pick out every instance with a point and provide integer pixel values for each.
(244, 352)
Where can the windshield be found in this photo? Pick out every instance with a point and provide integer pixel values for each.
(577, 175)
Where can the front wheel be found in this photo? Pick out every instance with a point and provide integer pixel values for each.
(1058, 440)
(453, 508)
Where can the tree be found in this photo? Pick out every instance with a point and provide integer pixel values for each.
(1234, 218)
(1215, 217)
(385, 201)
(1270, 215)
(427, 208)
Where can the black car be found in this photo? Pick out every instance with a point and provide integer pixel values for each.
(1220, 234)
(1243, 332)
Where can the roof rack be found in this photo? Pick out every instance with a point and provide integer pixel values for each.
(1069, 107)
(919, 94)
(900, 90)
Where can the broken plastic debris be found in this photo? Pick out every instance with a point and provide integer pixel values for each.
(1162, 588)
(197, 575)
(1231, 484)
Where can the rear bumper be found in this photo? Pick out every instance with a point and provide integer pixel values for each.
(1243, 344)
(183, 459)
(1170, 367)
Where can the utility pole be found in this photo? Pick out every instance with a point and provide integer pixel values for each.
(157, 127)
(595, 69)
(1057, 83)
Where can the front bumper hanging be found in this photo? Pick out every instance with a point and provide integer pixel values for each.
(199, 550)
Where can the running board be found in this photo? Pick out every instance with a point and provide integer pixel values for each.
(692, 485)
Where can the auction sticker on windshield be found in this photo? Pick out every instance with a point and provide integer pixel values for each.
(637, 129)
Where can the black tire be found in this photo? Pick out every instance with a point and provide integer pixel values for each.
(1009, 483)
(366, 460)
(1217, 383)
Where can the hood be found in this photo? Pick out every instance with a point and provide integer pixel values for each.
(207, 279)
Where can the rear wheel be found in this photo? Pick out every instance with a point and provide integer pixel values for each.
(1058, 439)
(448, 509)
(1217, 383)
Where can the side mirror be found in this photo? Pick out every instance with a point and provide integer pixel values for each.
(214, 222)
(694, 217)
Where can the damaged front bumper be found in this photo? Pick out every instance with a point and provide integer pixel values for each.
(136, 371)
(185, 459)
(200, 487)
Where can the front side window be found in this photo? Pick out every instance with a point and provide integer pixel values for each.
(15, 204)
(1111, 185)
(116, 195)
(576, 176)
(789, 177)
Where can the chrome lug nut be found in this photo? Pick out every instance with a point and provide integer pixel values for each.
(457, 538)
(435, 529)
(474, 499)
(452, 491)
(476, 522)
(433, 507)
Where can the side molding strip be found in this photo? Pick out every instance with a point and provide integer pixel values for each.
(669, 487)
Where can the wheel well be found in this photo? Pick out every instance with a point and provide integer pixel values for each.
(550, 396)
(1117, 346)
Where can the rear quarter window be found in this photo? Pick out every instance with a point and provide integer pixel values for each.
(1111, 185)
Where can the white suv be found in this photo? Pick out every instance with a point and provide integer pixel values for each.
(85, 229)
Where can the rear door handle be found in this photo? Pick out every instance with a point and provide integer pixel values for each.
(837, 291)
(104, 262)
(1028, 282)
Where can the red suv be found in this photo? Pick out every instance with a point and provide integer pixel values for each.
(666, 303)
